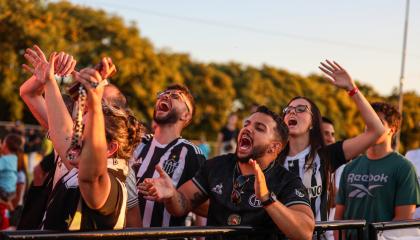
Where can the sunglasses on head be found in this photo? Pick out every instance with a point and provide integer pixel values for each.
(177, 95)
(298, 109)
(238, 186)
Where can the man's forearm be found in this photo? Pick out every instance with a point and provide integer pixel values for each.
(295, 224)
(178, 205)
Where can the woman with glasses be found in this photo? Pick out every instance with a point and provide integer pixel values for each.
(306, 154)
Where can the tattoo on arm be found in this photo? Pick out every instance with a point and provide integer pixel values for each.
(182, 201)
(197, 199)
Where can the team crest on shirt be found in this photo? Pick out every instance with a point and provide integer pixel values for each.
(170, 165)
(254, 202)
(234, 219)
(299, 193)
(218, 189)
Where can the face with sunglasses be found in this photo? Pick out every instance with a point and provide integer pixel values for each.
(298, 117)
(171, 106)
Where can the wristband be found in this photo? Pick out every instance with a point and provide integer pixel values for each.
(353, 91)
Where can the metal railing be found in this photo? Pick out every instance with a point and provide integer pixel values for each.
(244, 232)
(376, 228)
(322, 227)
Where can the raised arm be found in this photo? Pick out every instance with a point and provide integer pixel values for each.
(374, 128)
(60, 124)
(32, 89)
(177, 202)
(94, 181)
(31, 93)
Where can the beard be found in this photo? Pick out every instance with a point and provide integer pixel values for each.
(257, 152)
(170, 118)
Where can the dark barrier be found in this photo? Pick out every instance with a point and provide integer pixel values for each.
(173, 232)
(322, 227)
(376, 229)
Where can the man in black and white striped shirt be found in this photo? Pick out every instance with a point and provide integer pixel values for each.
(179, 158)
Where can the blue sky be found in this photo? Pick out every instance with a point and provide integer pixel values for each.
(364, 36)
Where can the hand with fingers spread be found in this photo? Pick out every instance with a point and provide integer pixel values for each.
(64, 64)
(106, 68)
(157, 189)
(40, 64)
(337, 75)
(260, 185)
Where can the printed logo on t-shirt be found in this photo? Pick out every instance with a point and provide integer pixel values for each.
(315, 191)
(253, 201)
(361, 184)
(170, 165)
(361, 190)
(218, 188)
(299, 193)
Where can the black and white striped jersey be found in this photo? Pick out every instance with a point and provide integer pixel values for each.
(314, 177)
(180, 159)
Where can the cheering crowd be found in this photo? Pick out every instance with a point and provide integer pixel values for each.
(281, 172)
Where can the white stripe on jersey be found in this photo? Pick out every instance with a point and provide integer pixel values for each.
(306, 176)
(148, 209)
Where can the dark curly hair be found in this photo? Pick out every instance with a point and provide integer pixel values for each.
(391, 114)
(281, 128)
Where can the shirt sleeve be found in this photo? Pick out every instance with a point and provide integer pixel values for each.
(341, 194)
(334, 154)
(195, 160)
(294, 193)
(132, 194)
(115, 197)
(201, 178)
(408, 190)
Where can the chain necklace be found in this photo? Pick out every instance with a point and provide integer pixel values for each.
(76, 140)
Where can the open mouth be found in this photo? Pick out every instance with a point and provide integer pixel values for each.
(245, 143)
(292, 122)
(163, 106)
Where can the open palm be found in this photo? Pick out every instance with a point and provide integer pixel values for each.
(337, 75)
(157, 189)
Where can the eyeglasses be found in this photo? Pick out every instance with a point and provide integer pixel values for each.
(237, 191)
(177, 95)
(298, 109)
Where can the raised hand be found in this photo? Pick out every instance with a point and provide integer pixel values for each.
(64, 64)
(94, 84)
(337, 75)
(39, 64)
(260, 185)
(106, 68)
(157, 189)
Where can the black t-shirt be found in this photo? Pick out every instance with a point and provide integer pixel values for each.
(180, 159)
(67, 211)
(216, 177)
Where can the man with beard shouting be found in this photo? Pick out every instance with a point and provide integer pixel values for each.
(247, 188)
(177, 157)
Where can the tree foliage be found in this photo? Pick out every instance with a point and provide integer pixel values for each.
(89, 34)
